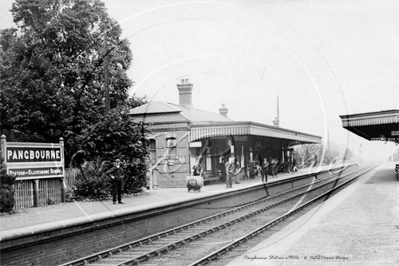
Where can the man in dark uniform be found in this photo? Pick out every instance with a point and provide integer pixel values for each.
(197, 168)
(116, 173)
(222, 168)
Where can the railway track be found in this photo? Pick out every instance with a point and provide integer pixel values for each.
(215, 234)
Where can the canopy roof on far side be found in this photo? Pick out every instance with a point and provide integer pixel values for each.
(382, 126)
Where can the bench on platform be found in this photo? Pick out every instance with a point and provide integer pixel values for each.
(211, 179)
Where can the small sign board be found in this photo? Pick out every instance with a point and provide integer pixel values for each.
(196, 144)
(395, 133)
(30, 160)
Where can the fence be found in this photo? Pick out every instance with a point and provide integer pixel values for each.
(50, 191)
(70, 176)
(23, 194)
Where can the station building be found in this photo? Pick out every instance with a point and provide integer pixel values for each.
(181, 134)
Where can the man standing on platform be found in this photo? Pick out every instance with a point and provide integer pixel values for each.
(265, 170)
(197, 168)
(116, 173)
(222, 168)
(230, 171)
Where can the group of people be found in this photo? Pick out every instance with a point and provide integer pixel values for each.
(229, 171)
(271, 165)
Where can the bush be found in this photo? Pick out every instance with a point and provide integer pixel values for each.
(92, 188)
(134, 179)
(92, 182)
(7, 198)
(117, 136)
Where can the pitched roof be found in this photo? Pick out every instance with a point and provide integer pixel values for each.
(197, 115)
(154, 108)
(190, 114)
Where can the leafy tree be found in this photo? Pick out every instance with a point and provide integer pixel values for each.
(347, 154)
(135, 101)
(117, 136)
(303, 153)
(52, 69)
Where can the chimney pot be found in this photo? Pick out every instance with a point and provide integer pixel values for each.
(223, 111)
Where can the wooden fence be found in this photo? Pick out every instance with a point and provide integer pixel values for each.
(70, 176)
(50, 191)
(23, 194)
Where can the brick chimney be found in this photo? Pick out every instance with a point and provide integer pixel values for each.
(223, 111)
(185, 95)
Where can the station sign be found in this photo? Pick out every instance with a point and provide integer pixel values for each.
(30, 160)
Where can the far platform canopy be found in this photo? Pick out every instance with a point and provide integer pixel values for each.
(375, 126)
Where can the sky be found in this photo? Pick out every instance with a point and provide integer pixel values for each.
(322, 59)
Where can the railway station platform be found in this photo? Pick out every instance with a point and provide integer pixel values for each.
(357, 226)
(33, 220)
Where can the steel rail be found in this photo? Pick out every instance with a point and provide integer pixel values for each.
(218, 253)
(147, 240)
(170, 246)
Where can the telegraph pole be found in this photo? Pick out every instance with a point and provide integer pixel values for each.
(106, 73)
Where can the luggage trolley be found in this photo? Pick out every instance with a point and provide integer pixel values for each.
(194, 183)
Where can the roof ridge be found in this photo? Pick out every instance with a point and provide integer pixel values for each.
(196, 109)
(150, 107)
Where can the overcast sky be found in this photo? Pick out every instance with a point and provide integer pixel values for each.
(322, 58)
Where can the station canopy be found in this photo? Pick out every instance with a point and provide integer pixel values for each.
(237, 128)
(202, 124)
(374, 126)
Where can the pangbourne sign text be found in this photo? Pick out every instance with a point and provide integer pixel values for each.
(30, 160)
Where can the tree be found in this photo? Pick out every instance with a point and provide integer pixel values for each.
(347, 154)
(117, 136)
(135, 101)
(52, 71)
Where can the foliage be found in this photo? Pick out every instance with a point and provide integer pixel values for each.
(117, 136)
(303, 154)
(7, 199)
(347, 154)
(94, 183)
(52, 69)
(70, 194)
(135, 101)
(52, 75)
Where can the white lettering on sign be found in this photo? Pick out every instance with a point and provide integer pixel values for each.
(33, 154)
(36, 172)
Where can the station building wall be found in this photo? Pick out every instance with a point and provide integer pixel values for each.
(171, 162)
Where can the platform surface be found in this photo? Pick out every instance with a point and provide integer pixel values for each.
(33, 220)
(357, 226)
